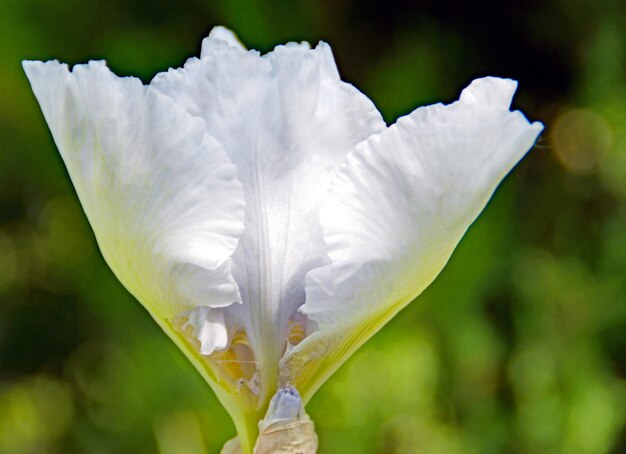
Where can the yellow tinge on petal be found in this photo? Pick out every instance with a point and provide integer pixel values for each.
(391, 220)
(266, 217)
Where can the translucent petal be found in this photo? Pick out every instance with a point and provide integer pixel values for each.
(395, 212)
(161, 195)
(287, 122)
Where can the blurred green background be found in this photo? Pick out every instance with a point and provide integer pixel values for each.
(518, 347)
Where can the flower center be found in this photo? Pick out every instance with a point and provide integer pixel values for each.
(233, 358)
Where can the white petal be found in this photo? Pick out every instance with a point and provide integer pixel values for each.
(209, 327)
(287, 122)
(161, 195)
(223, 34)
(397, 209)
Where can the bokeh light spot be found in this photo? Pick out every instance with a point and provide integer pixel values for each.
(579, 139)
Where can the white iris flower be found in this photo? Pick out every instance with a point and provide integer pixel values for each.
(261, 210)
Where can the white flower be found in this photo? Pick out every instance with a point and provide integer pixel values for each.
(261, 210)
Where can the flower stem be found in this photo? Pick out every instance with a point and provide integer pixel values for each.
(247, 431)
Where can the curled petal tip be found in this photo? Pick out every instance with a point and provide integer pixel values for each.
(490, 92)
(223, 34)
